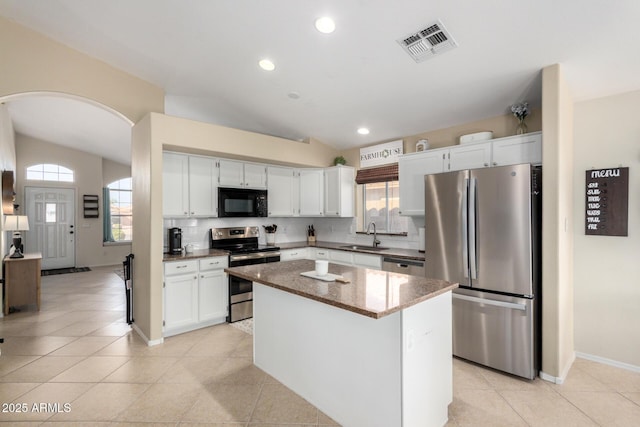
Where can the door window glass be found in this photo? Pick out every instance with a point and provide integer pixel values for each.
(50, 212)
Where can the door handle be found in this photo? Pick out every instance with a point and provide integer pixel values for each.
(71, 232)
(503, 304)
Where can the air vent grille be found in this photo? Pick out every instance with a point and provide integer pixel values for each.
(433, 40)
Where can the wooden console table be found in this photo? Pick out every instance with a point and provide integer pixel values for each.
(22, 281)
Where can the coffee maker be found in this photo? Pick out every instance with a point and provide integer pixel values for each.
(175, 240)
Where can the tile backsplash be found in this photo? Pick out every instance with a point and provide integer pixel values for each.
(342, 230)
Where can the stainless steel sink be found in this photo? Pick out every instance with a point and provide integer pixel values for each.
(363, 248)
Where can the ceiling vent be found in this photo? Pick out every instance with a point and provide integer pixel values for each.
(433, 40)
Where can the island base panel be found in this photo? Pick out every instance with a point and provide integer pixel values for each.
(351, 366)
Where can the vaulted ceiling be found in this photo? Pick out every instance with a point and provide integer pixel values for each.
(205, 55)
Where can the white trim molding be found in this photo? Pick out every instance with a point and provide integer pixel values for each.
(144, 337)
(610, 362)
(562, 377)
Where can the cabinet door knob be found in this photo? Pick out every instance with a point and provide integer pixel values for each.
(486, 164)
(495, 163)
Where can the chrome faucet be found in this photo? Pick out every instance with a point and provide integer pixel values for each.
(376, 242)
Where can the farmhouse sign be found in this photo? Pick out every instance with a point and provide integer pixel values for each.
(380, 154)
(607, 202)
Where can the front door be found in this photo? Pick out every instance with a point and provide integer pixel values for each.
(51, 225)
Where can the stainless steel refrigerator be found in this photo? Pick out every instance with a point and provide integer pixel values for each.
(482, 230)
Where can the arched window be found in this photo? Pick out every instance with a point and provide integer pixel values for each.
(49, 172)
(117, 211)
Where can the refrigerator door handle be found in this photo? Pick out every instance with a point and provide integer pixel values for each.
(503, 304)
(465, 237)
(472, 228)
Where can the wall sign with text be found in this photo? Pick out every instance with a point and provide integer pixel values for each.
(607, 202)
(381, 154)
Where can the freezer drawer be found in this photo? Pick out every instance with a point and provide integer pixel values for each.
(495, 331)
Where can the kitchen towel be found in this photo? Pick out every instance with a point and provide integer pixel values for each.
(421, 239)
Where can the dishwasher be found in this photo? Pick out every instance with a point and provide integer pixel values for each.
(404, 266)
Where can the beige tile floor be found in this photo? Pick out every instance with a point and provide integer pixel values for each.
(79, 351)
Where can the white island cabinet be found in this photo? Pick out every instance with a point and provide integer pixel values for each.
(373, 352)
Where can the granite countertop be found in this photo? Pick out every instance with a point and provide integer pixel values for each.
(392, 252)
(372, 293)
(197, 253)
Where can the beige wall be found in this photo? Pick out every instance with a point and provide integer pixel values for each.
(607, 269)
(203, 138)
(557, 220)
(157, 132)
(114, 171)
(7, 163)
(33, 62)
(146, 168)
(88, 180)
(501, 126)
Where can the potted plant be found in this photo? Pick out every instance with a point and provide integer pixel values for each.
(339, 161)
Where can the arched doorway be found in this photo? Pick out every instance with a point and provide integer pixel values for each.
(72, 129)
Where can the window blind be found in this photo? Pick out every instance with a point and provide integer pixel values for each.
(379, 174)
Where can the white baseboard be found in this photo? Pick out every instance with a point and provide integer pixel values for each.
(563, 375)
(149, 342)
(610, 362)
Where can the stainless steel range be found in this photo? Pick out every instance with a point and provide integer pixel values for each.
(242, 243)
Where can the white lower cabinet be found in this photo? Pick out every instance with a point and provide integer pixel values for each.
(341, 257)
(195, 294)
(181, 301)
(319, 253)
(367, 261)
(334, 256)
(292, 254)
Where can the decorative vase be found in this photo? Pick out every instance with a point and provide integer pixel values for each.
(521, 129)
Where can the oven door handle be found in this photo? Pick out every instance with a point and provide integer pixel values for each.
(256, 255)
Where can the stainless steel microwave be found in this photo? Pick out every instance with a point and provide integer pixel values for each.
(242, 202)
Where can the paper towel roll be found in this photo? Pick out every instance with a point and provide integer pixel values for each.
(421, 239)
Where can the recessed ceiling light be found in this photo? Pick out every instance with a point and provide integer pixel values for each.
(325, 25)
(363, 131)
(267, 65)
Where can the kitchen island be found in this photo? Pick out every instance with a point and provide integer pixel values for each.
(372, 352)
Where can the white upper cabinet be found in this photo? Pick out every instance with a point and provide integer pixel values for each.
(238, 174)
(411, 171)
(339, 191)
(189, 186)
(469, 156)
(255, 175)
(311, 193)
(281, 191)
(497, 152)
(231, 173)
(518, 149)
(175, 185)
(203, 186)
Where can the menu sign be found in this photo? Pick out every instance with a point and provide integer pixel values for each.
(607, 202)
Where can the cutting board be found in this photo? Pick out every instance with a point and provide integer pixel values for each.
(327, 277)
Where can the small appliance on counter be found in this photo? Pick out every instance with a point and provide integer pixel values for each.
(175, 240)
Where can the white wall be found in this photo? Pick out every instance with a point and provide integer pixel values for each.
(88, 169)
(607, 269)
